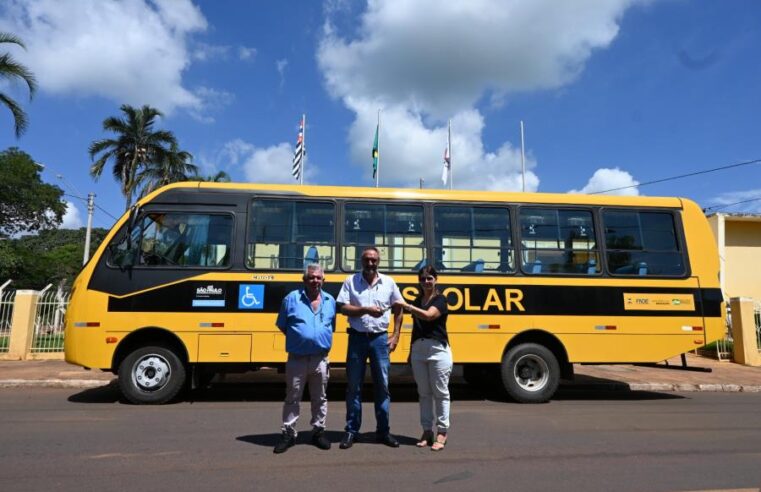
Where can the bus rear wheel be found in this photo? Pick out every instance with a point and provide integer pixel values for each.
(530, 373)
(151, 375)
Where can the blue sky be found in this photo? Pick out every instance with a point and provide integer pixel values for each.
(612, 92)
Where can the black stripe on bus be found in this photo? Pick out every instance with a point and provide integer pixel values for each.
(222, 297)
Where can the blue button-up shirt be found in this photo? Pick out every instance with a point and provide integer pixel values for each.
(357, 292)
(307, 332)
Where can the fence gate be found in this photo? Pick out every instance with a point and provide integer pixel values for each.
(49, 321)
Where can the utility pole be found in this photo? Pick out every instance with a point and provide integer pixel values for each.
(90, 210)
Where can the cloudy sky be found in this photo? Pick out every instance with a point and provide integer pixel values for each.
(612, 93)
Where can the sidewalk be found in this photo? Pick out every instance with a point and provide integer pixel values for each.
(724, 376)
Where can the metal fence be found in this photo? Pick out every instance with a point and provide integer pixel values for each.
(757, 318)
(725, 346)
(49, 321)
(7, 298)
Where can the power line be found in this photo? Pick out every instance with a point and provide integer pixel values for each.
(755, 161)
(96, 205)
(717, 207)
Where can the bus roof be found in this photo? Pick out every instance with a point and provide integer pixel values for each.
(427, 194)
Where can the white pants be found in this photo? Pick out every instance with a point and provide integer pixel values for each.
(432, 365)
(301, 370)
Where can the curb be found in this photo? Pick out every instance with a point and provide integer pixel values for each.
(53, 383)
(665, 387)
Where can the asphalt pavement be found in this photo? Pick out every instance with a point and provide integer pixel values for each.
(633, 441)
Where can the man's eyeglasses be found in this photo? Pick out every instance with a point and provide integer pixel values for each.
(314, 277)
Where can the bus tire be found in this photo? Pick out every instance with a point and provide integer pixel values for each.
(151, 375)
(530, 373)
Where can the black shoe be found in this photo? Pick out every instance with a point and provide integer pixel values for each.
(285, 442)
(319, 439)
(388, 440)
(347, 441)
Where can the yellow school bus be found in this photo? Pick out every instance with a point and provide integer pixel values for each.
(188, 283)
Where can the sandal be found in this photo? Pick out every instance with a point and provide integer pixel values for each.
(425, 440)
(441, 441)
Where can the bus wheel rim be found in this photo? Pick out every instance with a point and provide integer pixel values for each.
(531, 372)
(151, 372)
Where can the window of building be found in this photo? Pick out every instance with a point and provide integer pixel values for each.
(558, 241)
(287, 235)
(473, 239)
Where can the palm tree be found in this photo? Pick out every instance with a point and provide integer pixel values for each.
(136, 145)
(10, 69)
(174, 167)
(220, 177)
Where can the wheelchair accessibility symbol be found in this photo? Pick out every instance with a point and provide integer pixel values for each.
(251, 296)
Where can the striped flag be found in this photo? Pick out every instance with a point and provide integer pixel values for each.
(298, 155)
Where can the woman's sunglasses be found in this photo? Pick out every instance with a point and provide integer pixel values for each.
(429, 278)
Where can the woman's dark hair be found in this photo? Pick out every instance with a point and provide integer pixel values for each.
(428, 270)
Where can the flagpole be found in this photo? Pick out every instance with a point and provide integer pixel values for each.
(523, 160)
(377, 171)
(303, 147)
(449, 143)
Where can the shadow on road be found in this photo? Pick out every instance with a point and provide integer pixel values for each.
(304, 437)
(586, 389)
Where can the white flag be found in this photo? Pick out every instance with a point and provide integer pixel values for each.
(447, 165)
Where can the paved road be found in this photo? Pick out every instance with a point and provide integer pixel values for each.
(57, 439)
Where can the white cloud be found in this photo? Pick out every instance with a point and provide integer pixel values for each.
(206, 52)
(262, 164)
(409, 150)
(212, 100)
(729, 202)
(71, 219)
(246, 53)
(281, 66)
(423, 61)
(132, 51)
(611, 179)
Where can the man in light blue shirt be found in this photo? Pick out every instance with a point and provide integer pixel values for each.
(366, 298)
(307, 318)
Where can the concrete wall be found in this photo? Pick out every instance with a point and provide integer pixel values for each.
(742, 254)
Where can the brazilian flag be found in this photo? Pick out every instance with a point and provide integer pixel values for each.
(375, 154)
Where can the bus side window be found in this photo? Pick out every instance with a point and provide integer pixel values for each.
(642, 243)
(558, 241)
(473, 239)
(121, 252)
(287, 234)
(396, 230)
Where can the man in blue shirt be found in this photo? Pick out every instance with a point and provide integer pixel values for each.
(307, 318)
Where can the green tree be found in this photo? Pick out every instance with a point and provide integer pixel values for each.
(50, 257)
(26, 203)
(174, 167)
(10, 69)
(136, 144)
(219, 177)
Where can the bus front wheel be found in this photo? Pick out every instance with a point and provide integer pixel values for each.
(530, 373)
(151, 375)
